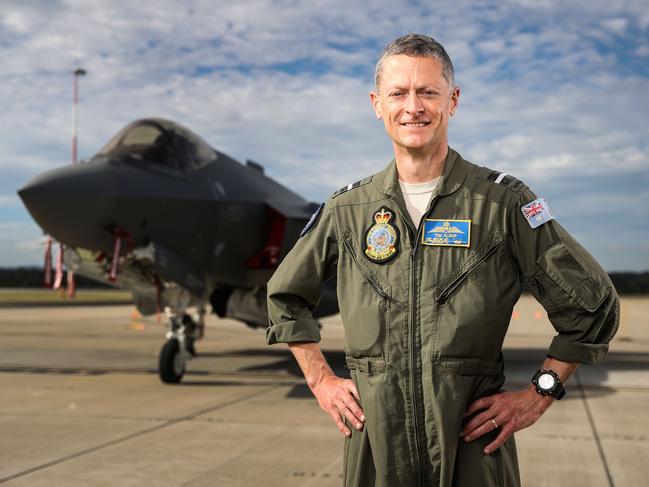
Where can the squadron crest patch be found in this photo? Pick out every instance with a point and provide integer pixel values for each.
(447, 233)
(382, 238)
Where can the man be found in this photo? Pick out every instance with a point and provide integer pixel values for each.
(431, 255)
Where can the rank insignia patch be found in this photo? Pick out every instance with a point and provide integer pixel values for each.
(382, 238)
(447, 233)
(537, 212)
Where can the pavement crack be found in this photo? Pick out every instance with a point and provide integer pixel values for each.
(598, 441)
(137, 434)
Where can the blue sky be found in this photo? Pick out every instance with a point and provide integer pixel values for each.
(555, 93)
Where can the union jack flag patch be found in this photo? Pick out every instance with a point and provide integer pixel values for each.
(537, 212)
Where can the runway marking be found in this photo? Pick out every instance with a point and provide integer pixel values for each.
(598, 442)
(138, 434)
(104, 371)
(324, 472)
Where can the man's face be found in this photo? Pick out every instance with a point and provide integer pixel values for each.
(415, 102)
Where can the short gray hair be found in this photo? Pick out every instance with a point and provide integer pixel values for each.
(417, 45)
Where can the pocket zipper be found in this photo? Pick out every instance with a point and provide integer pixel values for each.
(368, 277)
(443, 296)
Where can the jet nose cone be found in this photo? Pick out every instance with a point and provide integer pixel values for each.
(73, 204)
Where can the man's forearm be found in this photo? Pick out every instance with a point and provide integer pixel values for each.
(313, 364)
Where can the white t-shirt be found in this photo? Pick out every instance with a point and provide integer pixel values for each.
(417, 197)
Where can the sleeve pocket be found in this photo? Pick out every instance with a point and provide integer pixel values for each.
(565, 277)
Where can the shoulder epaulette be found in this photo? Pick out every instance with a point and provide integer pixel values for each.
(355, 185)
(504, 179)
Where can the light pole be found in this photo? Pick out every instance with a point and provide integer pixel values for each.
(58, 275)
(78, 72)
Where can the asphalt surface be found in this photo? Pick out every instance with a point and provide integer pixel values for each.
(82, 405)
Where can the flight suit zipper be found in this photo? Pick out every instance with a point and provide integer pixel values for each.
(414, 376)
(415, 379)
(413, 348)
(442, 296)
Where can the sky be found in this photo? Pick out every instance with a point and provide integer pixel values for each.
(555, 93)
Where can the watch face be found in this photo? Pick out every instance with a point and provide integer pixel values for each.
(546, 381)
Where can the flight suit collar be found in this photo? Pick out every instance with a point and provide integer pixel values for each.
(452, 178)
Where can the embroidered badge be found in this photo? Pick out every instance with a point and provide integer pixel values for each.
(312, 221)
(382, 238)
(537, 212)
(447, 233)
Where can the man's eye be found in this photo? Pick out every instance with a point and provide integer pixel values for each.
(396, 93)
(428, 93)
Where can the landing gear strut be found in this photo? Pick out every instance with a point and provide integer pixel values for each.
(179, 347)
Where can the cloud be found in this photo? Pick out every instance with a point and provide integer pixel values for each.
(8, 200)
(550, 91)
(617, 26)
(23, 242)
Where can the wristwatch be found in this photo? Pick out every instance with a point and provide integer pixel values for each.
(547, 383)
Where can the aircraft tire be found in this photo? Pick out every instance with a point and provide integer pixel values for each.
(169, 366)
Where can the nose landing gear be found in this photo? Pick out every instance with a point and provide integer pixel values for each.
(173, 359)
(179, 347)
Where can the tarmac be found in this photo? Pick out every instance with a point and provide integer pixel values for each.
(82, 405)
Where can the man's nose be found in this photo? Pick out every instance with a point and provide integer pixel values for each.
(413, 104)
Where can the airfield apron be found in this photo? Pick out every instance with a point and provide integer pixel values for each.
(425, 312)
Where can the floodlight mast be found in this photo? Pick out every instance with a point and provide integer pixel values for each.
(78, 72)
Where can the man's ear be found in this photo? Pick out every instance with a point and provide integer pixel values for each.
(455, 99)
(374, 100)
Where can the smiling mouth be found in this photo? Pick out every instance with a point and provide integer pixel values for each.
(414, 124)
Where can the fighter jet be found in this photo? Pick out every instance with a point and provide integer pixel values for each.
(180, 224)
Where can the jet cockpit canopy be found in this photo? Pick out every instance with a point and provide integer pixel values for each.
(162, 143)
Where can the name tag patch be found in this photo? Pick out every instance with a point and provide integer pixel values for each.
(447, 233)
(537, 212)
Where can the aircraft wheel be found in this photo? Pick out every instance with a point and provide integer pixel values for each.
(171, 366)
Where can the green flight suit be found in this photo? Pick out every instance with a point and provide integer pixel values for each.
(424, 330)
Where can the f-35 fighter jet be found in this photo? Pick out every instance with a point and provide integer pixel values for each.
(182, 225)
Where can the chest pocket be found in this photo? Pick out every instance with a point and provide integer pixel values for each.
(365, 303)
(472, 306)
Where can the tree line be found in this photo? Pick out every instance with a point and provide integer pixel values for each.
(32, 277)
(626, 283)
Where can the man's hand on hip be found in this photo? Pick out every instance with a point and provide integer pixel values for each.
(512, 411)
(507, 411)
(339, 398)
